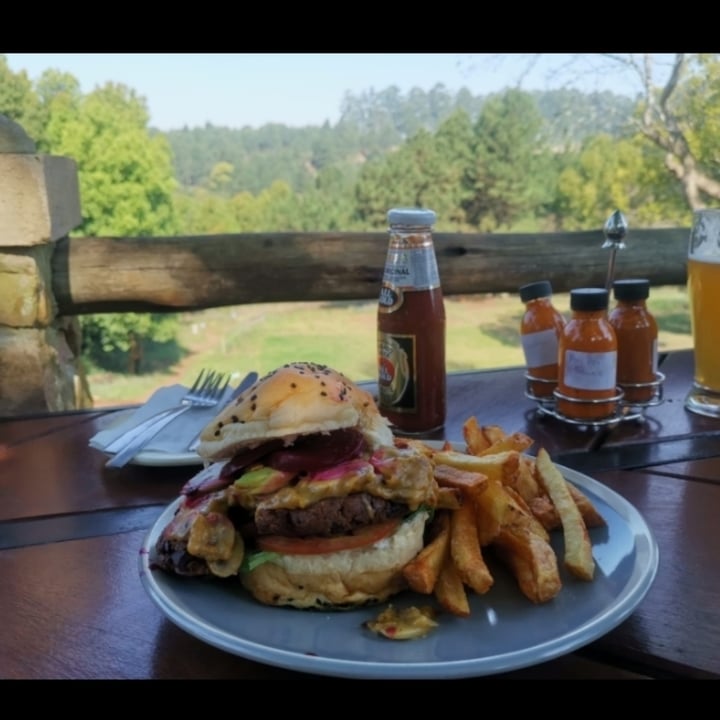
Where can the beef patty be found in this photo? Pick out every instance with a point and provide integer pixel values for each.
(325, 518)
(328, 517)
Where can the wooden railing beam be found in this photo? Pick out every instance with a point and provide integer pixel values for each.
(170, 274)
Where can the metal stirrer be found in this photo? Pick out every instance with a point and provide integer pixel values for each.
(615, 230)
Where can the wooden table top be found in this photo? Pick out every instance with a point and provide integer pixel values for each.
(70, 531)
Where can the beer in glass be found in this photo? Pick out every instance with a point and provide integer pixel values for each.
(703, 273)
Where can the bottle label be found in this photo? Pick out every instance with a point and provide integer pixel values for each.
(590, 371)
(391, 299)
(540, 348)
(396, 376)
(411, 268)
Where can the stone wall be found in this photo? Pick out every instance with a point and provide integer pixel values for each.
(40, 367)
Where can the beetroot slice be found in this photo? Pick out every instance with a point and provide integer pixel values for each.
(318, 451)
(309, 453)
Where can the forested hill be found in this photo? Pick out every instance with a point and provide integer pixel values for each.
(370, 125)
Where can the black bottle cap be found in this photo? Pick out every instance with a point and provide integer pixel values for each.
(632, 289)
(535, 290)
(589, 299)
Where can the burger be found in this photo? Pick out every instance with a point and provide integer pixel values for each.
(306, 496)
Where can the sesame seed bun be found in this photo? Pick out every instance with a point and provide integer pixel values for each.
(296, 399)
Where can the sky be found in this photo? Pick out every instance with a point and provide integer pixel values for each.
(251, 89)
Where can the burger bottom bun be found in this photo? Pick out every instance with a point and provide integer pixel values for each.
(341, 580)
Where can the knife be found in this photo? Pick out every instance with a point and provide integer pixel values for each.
(148, 429)
(247, 381)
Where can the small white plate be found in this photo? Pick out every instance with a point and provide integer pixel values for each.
(504, 632)
(153, 458)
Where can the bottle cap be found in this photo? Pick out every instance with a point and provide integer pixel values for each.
(632, 289)
(535, 290)
(589, 299)
(411, 216)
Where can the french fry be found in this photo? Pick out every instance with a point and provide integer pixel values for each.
(449, 498)
(518, 514)
(543, 509)
(449, 589)
(501, 466)
(532, 561)
(465, 550)
(500, 505)
(494, 495)
(525, 482)
(422, 572)
(590, 515)
(542, 506)
(578, 549)
(449, 476)
(490, 508)
(517, 441)
(475, 438)
(493, 433)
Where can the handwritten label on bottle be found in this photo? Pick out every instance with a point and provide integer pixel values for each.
(540, 348)
(590, 371)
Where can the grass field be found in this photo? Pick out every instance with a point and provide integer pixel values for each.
(482, 333)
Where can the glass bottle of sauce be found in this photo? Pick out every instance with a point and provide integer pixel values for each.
(411, 327)
(637, 334)
(540, 330)
(587, 356)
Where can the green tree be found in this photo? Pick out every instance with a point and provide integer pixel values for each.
(202, 212)
(610, 174)
(19, 101)
(454, 142)
(220, 177)
(114, 341)
(678, 118)
(507, 152)
(126, 187)
(126, 175)
(403, 178)
(691, 110)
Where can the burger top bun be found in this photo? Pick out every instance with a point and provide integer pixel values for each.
(296, 399)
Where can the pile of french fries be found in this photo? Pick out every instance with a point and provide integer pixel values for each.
(497, 498)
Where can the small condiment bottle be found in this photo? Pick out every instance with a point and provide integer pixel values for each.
(411, 327)
(587, 358)
(540, 329)
(637, 336)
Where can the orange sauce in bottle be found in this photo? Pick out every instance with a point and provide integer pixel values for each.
(637, 333)
(411, 327)
(540, 330)
(587, 358)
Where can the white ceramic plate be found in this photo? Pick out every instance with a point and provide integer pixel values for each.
(155, 458)
(504, 632)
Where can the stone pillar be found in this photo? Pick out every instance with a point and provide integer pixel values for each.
(40, 367)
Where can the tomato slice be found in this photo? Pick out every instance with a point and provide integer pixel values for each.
(320, 545)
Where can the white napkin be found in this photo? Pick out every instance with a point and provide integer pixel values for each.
(173, 439)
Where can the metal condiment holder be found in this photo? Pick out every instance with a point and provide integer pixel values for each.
(626, 411)
(615, 230)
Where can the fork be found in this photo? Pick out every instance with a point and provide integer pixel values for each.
(207, 391)
(129, 435)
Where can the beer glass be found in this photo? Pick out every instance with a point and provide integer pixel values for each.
(703, 273)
